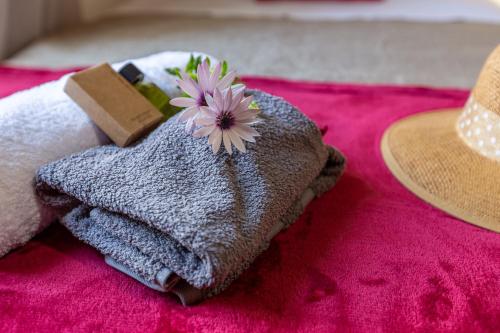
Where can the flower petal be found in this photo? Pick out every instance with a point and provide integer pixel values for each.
(187, 113)
(237, 87)
(214, 78)
(204, 131)
(212, 135)
(246, 132)
(210, 101)
(218, 100)
(207, 112)
(249, 122)
(237, 96)
(215, 139)
(204, 121)
(203, 72)
(245, 102)
(190, 87)
(185, 76)
(228, 97)
(235, 139)
(227, 142)
(226, 81)
(189, 125)
(245, 115)
(183, 102)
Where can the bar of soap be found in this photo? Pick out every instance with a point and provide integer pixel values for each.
(113, 104)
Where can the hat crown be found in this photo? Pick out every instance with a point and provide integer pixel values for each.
(487, 89)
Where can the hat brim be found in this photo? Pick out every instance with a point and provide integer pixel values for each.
(426, 155)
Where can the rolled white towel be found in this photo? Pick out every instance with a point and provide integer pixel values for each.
(43, 124)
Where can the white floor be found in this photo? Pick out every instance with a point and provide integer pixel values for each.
(442, 54)
(486, 11)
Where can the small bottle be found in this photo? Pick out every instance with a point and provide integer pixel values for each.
(148, 89)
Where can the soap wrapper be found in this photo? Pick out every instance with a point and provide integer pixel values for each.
(113, 104)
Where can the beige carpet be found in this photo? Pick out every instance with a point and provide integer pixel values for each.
(440, 54)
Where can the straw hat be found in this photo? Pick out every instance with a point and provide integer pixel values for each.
(451, 158)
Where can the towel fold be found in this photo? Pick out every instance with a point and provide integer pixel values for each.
(167, 204)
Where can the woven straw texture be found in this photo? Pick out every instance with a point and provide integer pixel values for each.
(426, 155)
(487, 88)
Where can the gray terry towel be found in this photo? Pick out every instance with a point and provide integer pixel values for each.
(167, 204)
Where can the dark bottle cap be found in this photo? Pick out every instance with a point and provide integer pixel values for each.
(131, 73)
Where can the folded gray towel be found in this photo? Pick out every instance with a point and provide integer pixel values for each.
(167, 204)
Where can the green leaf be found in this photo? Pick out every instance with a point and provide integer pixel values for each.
(224, 68)
(254, 105)
(198, 61)
(175, 71)
(190, 65)
(237, 80)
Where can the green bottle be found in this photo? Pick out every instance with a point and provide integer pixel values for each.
(148, 89)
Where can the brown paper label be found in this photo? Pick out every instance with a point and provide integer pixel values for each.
(114, 105)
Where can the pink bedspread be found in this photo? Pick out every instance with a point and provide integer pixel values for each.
(367, 256)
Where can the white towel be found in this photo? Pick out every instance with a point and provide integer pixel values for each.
(43, 124)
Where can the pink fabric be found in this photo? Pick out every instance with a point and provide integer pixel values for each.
(13, 79)
(367, 256)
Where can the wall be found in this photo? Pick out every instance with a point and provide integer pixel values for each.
(19, 23)
(22, 21)
(91, 10)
